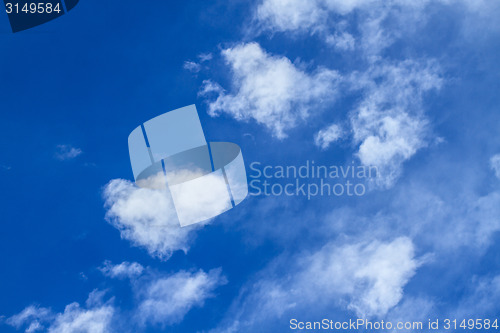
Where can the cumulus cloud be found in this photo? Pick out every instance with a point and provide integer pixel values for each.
(147, 218)
(166, 300)
(95, 318)
(123, 270)
(67, 152)
(269, 89)
(389, 123)
(327, 136)
(367, 278)
(495, 164)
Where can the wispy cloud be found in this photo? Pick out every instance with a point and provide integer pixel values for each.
(389, 124)
(67, 152)
(495, 164)
(96, 317)
(32, 317)
(165, 300)
(192, 66)
(325, 137)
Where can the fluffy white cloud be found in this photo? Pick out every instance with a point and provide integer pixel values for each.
(327, 136)
(365, 277)
(388, 123)
(146, 217)
(166, 300)
(123, 270)
(495, 164)
(67, 152)
(95, 318)
(372, 275)
(269, 89)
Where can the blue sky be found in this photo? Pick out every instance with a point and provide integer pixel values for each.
(410, 87)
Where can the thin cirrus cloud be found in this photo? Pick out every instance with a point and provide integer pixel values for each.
(269, 89)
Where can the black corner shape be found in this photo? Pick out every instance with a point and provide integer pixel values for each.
(26, 14)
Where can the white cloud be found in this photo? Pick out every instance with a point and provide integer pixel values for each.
(365, 277)
(376, 24)
(341, 41)
(33, 316)
(96, 318)
(205, 57)
(192, 66)
(146, 217)
(495, 164)
(482, 300)
(67, 152)
(269, 89)
(160, 300)
(327, 136)
(372, 275)
(305, 16)
(326, 19)
(123, 270)
(75, 319)
(286, 15)
(195, 67)
(166, 300)
(389, 124)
